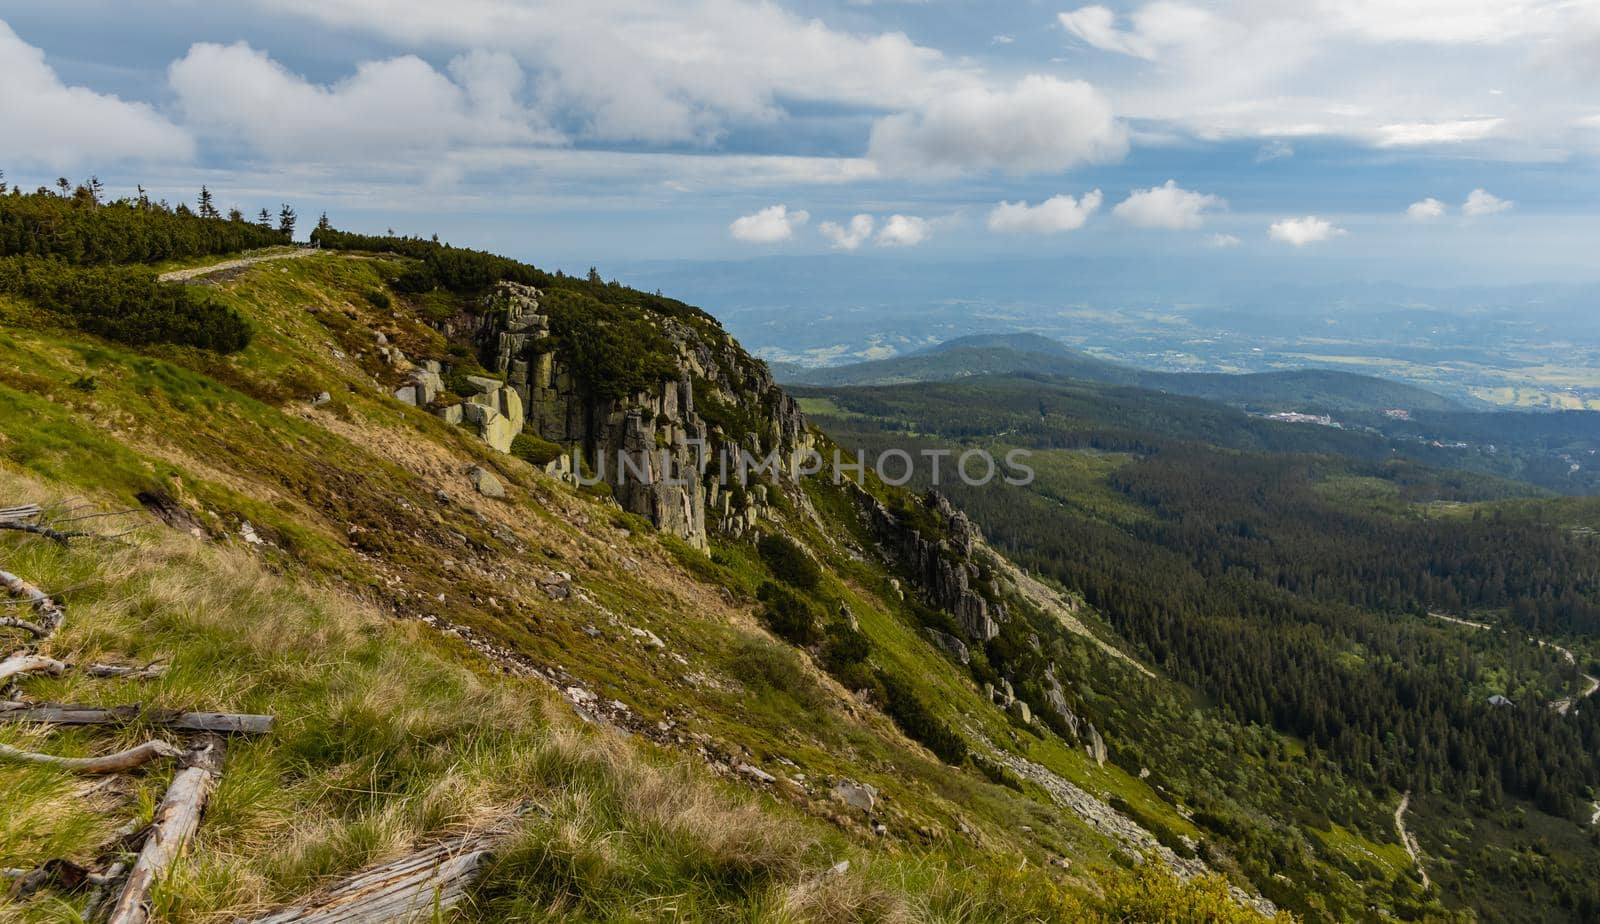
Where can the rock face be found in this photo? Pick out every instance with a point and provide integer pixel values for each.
(1095, 745)
(951, 646)
(943, 568)
(655, 448)
(423, 385)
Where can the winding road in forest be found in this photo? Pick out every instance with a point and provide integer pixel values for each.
(1562, 705)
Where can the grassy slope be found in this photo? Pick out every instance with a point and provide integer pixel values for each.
(393, 731)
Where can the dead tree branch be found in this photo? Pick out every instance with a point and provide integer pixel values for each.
(110, 763)
(52, 616)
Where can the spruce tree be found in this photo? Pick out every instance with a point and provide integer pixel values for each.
(286, 219)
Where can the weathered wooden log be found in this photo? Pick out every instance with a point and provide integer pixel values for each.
(51, 614)
(19, 664)
(411, 889)
(174, 824)
(23, 512)
(32, 628)
(69, 714)
(126, 671)
(110, 763)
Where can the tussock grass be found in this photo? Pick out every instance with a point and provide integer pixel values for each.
(390, 735)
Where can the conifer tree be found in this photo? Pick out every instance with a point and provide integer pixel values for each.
(208, 208)
(286, 219)
(264, 218)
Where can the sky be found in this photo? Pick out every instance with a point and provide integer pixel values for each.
(1419, 141)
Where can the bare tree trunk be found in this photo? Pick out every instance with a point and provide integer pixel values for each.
(110, 763)
(128, 671)
(19, 664)
(175, 822)
(406, 891)
(68, 714)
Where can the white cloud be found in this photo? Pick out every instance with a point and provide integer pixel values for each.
(1308, 229)
(399, 104)
(1223, 241)
(1409, 134)
(1056, 214)
(903, 231)
(1426, 210)
(1481, 202)
(1168, 206)
(769, 226)
(1156, 27)
(662, 73)
(49, 124)
(1225, 69)
(847, 237)
(1097, 25)
(1043, 124)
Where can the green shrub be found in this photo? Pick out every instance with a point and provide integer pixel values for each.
(844, 646)
(912, 715)
(788, 562)
(126, 304)
(377, 298)
(787, 614)
(535, 450)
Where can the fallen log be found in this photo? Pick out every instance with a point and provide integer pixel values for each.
(174, 824)
(126, 671)
(69, 714)
(414, 888)
(32, 628)
(110, 763)
(50, 612)
(17, 665)
(24, 512)
(57, 536)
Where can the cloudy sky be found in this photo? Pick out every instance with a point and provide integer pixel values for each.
(1434, 137)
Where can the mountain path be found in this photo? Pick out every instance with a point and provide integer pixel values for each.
(197, 272)
(1409, 840)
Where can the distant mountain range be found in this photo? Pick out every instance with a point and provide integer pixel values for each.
(1325, 390)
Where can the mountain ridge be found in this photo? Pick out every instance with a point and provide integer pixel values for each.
(1009, 354)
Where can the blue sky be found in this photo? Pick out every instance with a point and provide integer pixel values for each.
(1296, 138)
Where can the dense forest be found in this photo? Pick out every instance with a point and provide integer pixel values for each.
(1272, 584)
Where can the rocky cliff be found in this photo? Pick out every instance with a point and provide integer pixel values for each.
(663, 449)
(942, 565)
